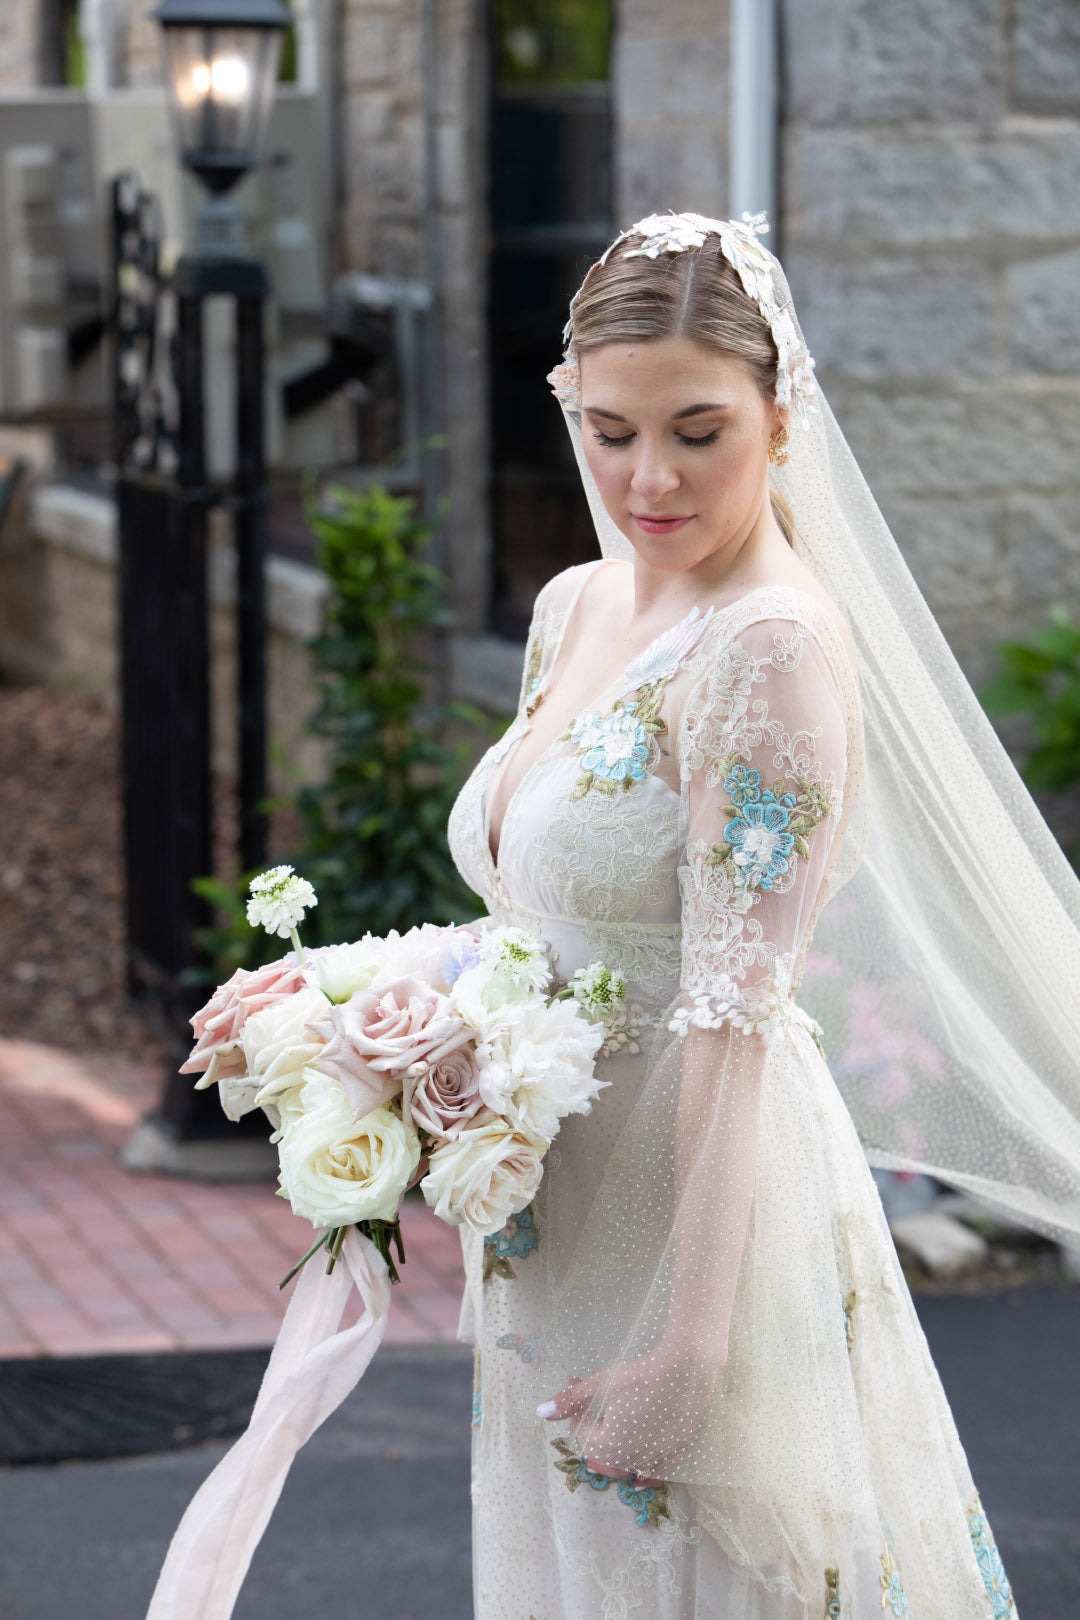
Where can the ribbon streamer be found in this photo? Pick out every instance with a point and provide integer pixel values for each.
(311, 1370)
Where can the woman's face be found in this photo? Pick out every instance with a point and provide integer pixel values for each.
(677, 438)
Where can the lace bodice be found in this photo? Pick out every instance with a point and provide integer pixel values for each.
(684, 827)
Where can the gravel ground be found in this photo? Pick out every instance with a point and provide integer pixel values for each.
(61, 876)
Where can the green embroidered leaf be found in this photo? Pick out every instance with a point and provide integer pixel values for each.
(497, 1265)
(658, 1508)
(732, 811)
(802, 847)
(584, 782)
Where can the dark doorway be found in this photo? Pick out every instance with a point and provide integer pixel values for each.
(551, 214)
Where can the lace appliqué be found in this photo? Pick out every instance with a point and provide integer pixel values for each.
(518, 1237)
(477, 1392)
(991, 1567)
(892, 1590)
(649, 1502)
(527, 1349)
(832, 1594)
(767, 827)
(617, 748)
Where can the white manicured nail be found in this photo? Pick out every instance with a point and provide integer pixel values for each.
(547, 1409)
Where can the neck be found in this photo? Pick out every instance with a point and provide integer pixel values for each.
(745, 561)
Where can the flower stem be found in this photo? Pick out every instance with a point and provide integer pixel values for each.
(297, 947)
(315, 1247)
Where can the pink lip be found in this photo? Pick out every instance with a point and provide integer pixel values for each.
(658, 525)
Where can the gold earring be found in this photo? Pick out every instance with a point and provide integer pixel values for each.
(778, 447)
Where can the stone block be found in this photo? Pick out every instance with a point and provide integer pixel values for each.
(371, 46)
(637, 80)
(1046, 57)
(954, 549)
(962, 441)
(1044, 311)
(944, 1245)
(903, 318)
(1042, 540)
(880, 61)
(922, 59)
(868, 190)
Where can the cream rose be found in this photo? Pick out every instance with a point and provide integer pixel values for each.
(483, 1176)
(278, 1044)
(336, 1170)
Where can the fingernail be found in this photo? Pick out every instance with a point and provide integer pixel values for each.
(547, 1409)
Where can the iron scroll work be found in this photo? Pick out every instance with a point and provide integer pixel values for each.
(164, 497)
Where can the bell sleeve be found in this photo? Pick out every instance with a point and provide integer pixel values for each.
(762, 752)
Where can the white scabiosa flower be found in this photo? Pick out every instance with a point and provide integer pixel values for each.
(517, 958)
(279, 900)
(598, 991)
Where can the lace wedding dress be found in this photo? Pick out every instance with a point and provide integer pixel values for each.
(709, 1238)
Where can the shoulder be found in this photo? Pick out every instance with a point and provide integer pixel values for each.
(562, 590)
(789, 628)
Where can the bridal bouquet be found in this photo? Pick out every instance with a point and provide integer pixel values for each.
(435, 1055)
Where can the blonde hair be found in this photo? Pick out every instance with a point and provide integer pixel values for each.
(695, 294)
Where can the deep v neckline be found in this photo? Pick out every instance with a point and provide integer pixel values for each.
(613, 691)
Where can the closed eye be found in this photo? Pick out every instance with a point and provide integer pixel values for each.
(604, 438)
(709, 438)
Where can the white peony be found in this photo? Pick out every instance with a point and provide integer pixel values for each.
(341, 970)
(538, 1065)
(420, 953)
(484, 1176)
(278, 1044)
(336, 1170)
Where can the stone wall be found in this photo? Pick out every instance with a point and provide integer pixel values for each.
(384, 179)
(19, 46)
(671, 94)
(931, 229)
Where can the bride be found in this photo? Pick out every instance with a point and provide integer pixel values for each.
(701, 1386)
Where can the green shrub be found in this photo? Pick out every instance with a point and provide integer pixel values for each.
(375, 832)
(1040, 678)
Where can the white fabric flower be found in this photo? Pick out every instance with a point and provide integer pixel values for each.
(278, 901)
(336, 1170)
(484, 1176)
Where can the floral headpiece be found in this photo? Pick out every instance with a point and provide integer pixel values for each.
(756, 268)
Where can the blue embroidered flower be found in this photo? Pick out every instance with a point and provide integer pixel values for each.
(615, 746)
(760, 841)
(892, 1591)
(518, 1237)
(991, 1567)
(637, 1497)
(743, 784)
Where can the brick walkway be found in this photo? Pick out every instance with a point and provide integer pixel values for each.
(95, 1259)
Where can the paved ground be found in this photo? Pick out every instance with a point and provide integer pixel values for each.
(95, 1259)
(384, 1486)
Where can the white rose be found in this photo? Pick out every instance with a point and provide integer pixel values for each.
(484, 1176)
(539, 1065)
(336, 1170)
(278, 1044)
(341, 970)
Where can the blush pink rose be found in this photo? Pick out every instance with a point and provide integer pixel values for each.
(220, 1023)
(447, 1095)
(375, 1036)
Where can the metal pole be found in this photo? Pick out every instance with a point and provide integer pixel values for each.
(250, 525)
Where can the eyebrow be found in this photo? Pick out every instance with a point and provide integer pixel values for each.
(679, 416)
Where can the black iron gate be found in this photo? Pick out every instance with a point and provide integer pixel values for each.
(164, 497)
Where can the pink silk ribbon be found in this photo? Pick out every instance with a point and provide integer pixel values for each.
(311, 1370)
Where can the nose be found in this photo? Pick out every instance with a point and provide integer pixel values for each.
(654, 475)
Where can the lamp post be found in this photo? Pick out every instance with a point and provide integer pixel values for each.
(221, 59)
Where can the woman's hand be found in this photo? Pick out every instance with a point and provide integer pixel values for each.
(650, 1413)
